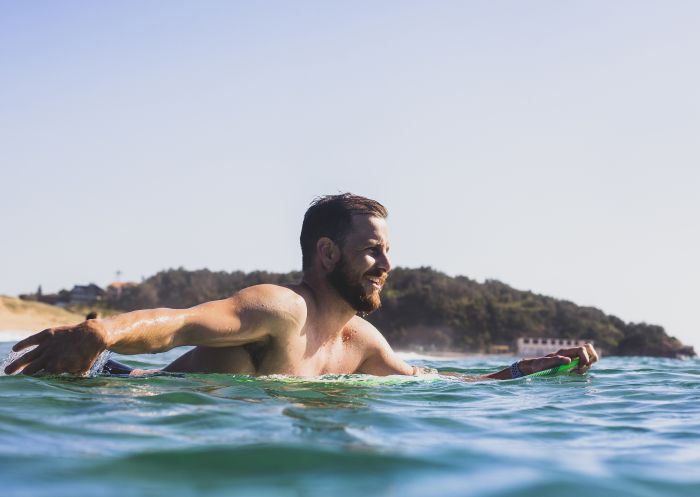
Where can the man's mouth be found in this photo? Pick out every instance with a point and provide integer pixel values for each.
(377, 281)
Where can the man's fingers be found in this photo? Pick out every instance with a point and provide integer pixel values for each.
(586, 354)
(35, 339)
(529, 366)
(34, 367)
(584, 361)
(21, 362)
(592, 354)
(558, 360)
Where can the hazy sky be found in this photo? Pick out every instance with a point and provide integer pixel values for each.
(552, 145)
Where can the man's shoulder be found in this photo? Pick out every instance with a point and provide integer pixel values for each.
(378, 358)
(367, 333)
(273, 301)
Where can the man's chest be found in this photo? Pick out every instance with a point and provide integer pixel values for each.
(302, 355)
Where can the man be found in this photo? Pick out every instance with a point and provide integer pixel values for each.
(308, 329)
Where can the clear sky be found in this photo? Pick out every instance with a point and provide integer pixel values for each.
(553, 145)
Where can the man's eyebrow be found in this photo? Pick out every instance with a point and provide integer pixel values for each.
(374, 242)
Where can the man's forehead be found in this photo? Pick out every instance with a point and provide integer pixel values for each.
(369, 227)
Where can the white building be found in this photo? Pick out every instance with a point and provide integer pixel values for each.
(539, 346)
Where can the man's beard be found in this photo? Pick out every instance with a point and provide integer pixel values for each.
(353, 292)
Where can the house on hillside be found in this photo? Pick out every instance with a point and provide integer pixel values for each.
(86, 294)
(539, 346)
(115, 290)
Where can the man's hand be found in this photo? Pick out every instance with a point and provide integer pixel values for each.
(66, 349)
(586, 354)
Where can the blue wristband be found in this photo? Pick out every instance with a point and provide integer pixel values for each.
(515, 370)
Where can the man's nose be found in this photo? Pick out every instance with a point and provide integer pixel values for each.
(384, 262)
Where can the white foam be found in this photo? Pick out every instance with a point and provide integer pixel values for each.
(11, 357)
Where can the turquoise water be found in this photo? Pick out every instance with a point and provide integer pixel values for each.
(629, 427)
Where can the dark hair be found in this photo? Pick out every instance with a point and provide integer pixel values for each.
(331, 216)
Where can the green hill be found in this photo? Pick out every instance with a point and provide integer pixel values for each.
(424, 308)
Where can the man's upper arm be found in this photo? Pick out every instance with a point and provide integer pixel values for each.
(250, 315)
(380, 359)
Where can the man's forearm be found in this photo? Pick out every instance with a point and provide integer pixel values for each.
(212, 324)
(504, 374)
(147, 331)
(500, 375)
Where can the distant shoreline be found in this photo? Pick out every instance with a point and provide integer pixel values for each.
(23, 318)
(445, 354)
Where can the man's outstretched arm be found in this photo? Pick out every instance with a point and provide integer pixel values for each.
(382, 360)
(240, 319)
(586, 355)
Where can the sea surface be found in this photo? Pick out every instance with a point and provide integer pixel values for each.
(630, 427)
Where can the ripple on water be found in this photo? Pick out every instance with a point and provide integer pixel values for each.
(630, 427)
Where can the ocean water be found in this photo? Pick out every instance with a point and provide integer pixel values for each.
(630, 427)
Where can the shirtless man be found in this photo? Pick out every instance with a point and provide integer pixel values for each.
(308, 329)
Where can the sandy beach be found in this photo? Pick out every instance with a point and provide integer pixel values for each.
(19, 318)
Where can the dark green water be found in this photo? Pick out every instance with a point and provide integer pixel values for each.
(629, 427)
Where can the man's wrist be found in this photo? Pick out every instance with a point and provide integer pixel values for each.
(515, 371)
(99, 330)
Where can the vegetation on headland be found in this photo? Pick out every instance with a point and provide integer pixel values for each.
(426, 309)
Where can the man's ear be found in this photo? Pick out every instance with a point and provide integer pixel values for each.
(328, 253)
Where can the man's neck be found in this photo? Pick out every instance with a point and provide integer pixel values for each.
(331, 312)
